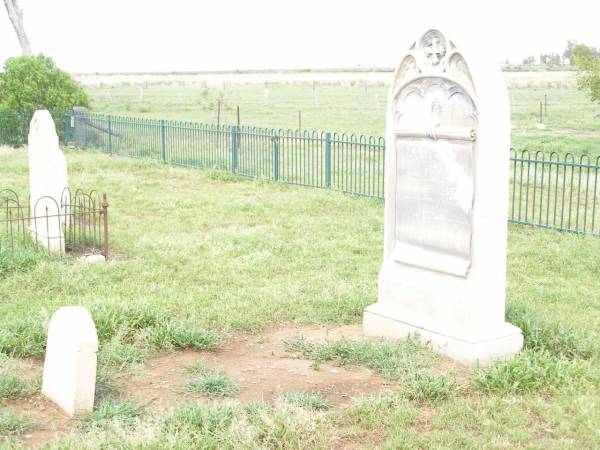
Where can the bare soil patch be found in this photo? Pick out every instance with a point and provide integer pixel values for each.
(258, 363)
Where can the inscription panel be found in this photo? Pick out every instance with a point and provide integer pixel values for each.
(435, 141)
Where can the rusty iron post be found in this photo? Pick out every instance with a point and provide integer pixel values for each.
(105, 220)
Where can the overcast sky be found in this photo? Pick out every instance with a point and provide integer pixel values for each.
(179, 35)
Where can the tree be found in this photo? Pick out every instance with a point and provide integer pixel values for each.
(15, 14)
(34, 82)
(587, 62)
(529, 61)
(550, 59)
(568, 53)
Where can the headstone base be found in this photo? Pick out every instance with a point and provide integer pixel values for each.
(464, 346)
(53, 244)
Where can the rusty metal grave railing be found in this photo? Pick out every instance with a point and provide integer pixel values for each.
(76, 223)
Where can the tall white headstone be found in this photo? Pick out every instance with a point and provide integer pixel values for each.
(70, 365)
(443, 275)
(47, 182)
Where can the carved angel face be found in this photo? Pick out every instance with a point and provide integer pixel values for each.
(435, 50)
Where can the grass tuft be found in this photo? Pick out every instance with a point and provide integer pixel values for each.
(108, 410)
(424, 387)
(20, 255)
(390, 359)
(12, 424)
(307, 400)
(202, 423)
(119, 355)
(212, 383)
(11, 385)
(558, 339)
(528, 372)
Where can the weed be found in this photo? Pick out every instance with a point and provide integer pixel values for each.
(528, 372)
(554, 337)
(425, 387)
(119, 355)
(212, 383)
(18, 254)
(108, 410)
(390, 359)
(12, 424)
(10, 384)
(203, 423)
(307, 400)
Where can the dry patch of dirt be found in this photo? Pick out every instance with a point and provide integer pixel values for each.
(258, 363)
(261, 367)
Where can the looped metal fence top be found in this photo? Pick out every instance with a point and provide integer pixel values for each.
(77, 222)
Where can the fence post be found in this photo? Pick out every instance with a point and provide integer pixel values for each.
(110, 149)
(234, 149)
(328, 160)
(276, 158)
(104, 213)
(163, 144)
(66, 124)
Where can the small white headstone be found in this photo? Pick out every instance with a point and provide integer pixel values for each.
(70, 365)
(443, 275)
(47, 182)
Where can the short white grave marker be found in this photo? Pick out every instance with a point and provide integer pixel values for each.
(70, 364)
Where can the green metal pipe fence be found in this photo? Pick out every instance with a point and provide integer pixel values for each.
(546, 191)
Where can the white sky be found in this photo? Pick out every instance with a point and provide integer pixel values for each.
(179, 35)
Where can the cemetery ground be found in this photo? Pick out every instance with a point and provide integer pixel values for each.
(229, 317)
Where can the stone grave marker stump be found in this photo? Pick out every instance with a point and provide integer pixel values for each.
(69, 377)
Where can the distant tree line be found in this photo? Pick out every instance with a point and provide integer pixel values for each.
(556, 59)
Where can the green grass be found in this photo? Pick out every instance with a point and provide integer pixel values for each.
(110, 410)
(351, 108)
(197, 256)
(212, 383)
(428, 388)
(309, 400)
(18, 254)
(11, 386)
(11, 424)
(390, 359)
(529, 372)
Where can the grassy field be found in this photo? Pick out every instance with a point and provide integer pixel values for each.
(356, 107)
(199, 257)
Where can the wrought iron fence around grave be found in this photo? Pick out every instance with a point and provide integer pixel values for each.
(550, 191)
(80, 218)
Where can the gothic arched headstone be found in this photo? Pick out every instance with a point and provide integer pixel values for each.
(444, 269)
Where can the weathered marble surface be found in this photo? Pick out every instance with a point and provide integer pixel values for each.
(47, 182)
(69, 377)
(443, 275)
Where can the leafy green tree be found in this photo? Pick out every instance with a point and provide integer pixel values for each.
(28, 83)
(568, 53)
(587, 62)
